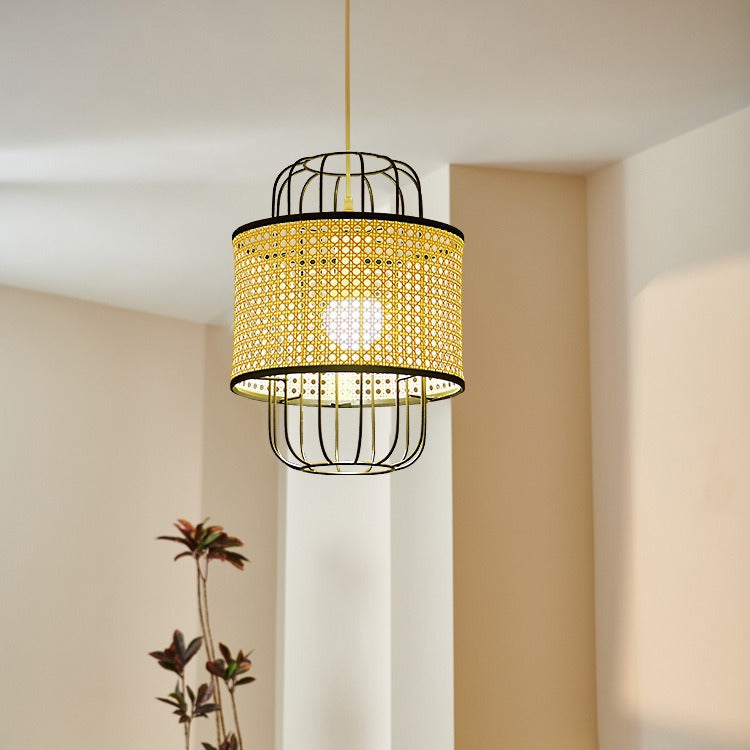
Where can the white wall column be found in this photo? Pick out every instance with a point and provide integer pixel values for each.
(334, 641)
(422, 593)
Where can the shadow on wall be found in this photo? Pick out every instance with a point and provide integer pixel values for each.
(669, 261)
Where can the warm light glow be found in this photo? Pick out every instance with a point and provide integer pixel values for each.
(353, 323)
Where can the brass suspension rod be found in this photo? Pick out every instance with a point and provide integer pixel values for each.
(348, 203)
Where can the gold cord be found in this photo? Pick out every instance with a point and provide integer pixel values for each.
(348, 203)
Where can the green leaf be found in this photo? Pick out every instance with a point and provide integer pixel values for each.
(245, 681)
(210, 538)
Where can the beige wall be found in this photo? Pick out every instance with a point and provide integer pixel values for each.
(102, 446)
(669, 244)
(523, 547)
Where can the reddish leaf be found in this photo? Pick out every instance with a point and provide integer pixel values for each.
(217, 668)
(172, 539)
(178, 641)
(206, 709)
(193, 648)
(170, 702)
(211, 542)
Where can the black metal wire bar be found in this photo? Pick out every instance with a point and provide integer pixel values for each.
(407, 420)
(306, 160)
(320, 419)
(372, 199)
(336, 193)
(272, 429)
(322, 172)
(272, 414)
(304, 190)
(372, 417)
(313, 469)
(302, 417)
(422, 433)
(395, 433)
(286, 184)
(399, 194)
(411, 173)
(336, 417)
(275, 184)
(286, 422)
(395, 179)
(359, 426)
(362, 183)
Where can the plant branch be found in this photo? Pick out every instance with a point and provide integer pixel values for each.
(236, 719)
(213, 651)
(203, 614)
(187, 723)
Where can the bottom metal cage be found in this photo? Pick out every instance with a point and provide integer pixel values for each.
(352, 432)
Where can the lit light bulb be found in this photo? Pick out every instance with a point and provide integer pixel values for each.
(353, 323)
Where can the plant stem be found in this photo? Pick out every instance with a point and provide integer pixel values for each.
(236, 720)
(203, 614)
(213, 651)
(186, 723)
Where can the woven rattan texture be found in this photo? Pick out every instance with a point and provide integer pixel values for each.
(299, 282)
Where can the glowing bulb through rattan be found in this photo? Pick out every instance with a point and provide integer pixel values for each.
(353, 323)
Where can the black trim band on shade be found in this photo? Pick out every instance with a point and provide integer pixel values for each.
(369, 369)
(396, 218)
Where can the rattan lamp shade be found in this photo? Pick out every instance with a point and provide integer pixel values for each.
(347, 293)
(340, 310)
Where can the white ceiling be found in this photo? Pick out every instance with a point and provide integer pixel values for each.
(135, 136)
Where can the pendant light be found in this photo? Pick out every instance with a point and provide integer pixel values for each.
(347, 311)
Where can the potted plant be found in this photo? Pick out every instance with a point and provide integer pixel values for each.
(225, 672)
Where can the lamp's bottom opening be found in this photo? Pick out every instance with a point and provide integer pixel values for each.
(347, 469)
(339, 388)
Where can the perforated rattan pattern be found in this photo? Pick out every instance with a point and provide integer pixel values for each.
(287, 275)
